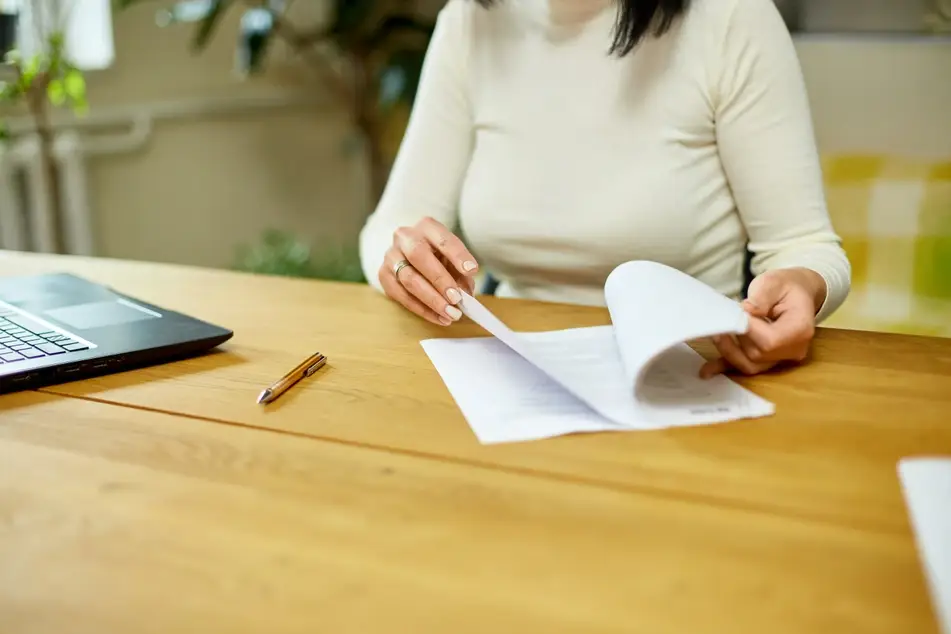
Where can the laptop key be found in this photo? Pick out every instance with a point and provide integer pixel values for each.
(27, 324)
(50, 348)
(12, 356)
(73, 346)
(32, 353)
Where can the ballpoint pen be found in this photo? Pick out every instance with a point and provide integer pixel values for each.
(305, 369)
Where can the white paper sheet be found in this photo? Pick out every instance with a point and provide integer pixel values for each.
(506, 398)
(636, 374)
(503, 397)
(926, 484)
(655, 307)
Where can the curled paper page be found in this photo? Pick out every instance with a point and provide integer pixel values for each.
(655, 307)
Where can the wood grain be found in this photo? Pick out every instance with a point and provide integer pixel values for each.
(117, 520)
(843, 420)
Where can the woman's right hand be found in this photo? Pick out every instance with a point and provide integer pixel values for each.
(425, 270)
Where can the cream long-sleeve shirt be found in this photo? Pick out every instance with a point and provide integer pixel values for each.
(557, 161)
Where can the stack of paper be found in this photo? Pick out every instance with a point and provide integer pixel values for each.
(636, 374)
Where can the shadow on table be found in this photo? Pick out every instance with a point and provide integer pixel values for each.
(14, 401)
(189, 367)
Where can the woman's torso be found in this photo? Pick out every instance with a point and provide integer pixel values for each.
(583, 160)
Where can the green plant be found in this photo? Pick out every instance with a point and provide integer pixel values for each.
(41, 82)
(279, 253)
(369, 53)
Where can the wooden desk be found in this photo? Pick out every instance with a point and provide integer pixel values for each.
(816, 534)
(842, 421)
(120, 520)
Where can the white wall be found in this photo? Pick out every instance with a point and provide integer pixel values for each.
(204, 186)
(880, 94)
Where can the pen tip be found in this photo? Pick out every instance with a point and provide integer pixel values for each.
(264, 396)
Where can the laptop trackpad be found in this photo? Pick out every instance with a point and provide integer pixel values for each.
(101, 314)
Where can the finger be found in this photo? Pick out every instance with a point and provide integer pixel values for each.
(755, 310)
(765, 291)
(753, 352)
(419, 252)
(465, 283)
(410, 284)
(448, 244)
(419, 287)
(792, 330)
(396, 292)
(713, 367)
(734, 355)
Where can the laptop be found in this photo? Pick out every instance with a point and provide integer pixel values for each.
(59, 327)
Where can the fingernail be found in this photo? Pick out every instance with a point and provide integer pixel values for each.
(454, 313)
(453, 296)
(445, 321)
(469, 265)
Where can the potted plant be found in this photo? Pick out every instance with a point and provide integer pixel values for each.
(368, 53)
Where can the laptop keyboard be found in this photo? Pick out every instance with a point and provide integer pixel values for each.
(22, 338)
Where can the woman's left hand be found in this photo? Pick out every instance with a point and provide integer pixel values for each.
(782, 304)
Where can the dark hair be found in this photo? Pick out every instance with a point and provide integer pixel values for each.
(635, 19)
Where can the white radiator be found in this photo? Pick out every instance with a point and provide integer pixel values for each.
(26, 210)
(26, 215)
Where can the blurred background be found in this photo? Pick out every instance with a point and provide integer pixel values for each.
(257, 135)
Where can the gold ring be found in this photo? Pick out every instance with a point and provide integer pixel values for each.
(399, 267)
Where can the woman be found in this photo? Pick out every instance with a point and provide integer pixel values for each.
(564, 137)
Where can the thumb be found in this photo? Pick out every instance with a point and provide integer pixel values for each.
(765, 292)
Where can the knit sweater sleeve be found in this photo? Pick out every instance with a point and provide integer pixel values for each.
(767, 146)
(434, 154)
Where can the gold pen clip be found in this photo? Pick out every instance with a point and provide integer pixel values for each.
(319, 363)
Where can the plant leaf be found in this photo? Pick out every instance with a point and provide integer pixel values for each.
(257, 30)
(29, 72)
(395, 24)
(349, 16)
(119, 5)
(10, 91)
(209, 23)
(399, 77)
(75, 85)
(281, 253)
(56, 92)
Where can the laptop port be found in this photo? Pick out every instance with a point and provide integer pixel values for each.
(71, 369)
